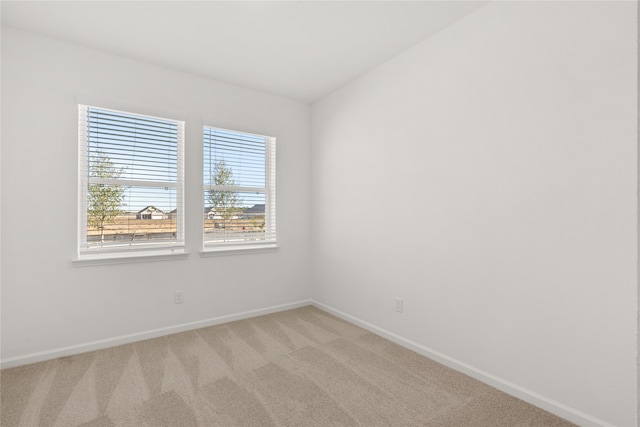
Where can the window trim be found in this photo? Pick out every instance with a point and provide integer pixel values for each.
(246, 247)
(130, 257)
(138, 252)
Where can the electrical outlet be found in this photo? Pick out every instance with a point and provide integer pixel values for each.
(178, 297)
(399, 305)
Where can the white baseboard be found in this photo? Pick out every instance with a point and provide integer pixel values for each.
(549, 405)
(140, 336)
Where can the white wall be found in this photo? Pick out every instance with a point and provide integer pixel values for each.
(487, 176)
(49, 304)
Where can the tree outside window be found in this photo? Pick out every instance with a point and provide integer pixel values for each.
(225, 205)
(104, 200)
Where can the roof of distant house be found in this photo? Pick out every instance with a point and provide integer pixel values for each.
(150, 208)
(255, 209)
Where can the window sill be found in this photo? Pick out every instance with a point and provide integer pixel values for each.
(238, 250)
(129, 257)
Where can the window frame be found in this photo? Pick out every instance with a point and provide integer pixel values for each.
(137, 251)
(269, 190)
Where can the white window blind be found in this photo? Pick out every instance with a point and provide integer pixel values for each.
(239, 189)
(131, 182)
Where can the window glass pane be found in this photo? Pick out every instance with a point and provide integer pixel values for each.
(234, 216)
(133, 222)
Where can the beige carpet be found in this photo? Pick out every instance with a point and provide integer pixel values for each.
(301, 367)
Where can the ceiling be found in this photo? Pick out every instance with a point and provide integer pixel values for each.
(301, 50)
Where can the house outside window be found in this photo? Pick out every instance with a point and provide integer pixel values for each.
(239, 190)
(130, 179)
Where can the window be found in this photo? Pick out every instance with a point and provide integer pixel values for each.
(239, 190)
(131, 183)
